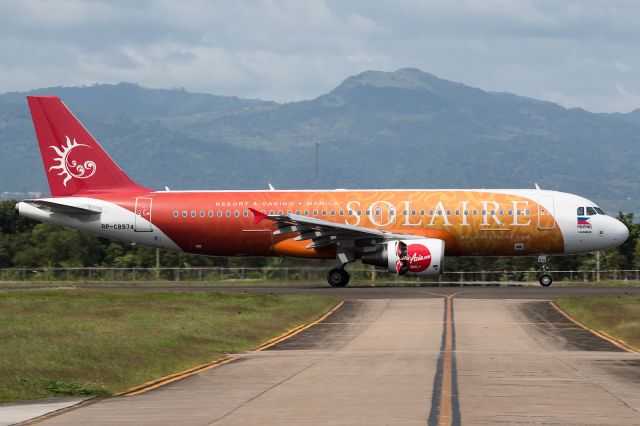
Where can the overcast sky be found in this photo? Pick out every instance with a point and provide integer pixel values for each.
(579, 53)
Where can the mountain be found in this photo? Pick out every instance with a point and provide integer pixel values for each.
(402, 129)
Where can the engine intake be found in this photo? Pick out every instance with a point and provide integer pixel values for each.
(411, 257)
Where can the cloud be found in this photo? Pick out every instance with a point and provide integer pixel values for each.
(575, 52)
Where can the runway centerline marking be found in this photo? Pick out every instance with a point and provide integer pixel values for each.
(445, 406)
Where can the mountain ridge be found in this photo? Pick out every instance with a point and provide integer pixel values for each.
(376, 129)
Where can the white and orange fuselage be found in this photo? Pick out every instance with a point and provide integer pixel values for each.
(219, 223)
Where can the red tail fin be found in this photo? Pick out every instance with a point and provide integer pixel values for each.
(73, 161)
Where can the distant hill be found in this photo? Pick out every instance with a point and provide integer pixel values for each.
(403, 129)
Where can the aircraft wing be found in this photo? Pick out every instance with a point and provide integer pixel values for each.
(54, 207)
(324, 233)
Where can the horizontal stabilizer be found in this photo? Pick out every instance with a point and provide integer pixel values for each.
(54, 207)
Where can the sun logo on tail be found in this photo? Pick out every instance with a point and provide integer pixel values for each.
(72, 169)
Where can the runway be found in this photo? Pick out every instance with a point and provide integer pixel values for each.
(436, 359)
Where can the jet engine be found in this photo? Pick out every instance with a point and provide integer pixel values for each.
(412, 257)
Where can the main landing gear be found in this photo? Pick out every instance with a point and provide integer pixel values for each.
(543, 268)
(338, 277)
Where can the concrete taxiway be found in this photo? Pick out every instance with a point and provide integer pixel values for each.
(441, 358)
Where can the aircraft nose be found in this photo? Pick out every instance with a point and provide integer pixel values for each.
(619, 232)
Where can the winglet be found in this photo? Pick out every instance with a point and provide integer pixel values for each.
(257, 215)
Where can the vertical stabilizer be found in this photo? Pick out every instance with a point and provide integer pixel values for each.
(73, 161)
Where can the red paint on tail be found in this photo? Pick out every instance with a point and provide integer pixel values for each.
(73, 161)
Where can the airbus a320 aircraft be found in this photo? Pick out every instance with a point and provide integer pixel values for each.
(405, 231)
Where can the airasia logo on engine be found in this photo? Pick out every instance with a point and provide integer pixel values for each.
(412, 258)
(418, 257)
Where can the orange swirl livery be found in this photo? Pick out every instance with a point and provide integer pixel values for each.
(405, 231)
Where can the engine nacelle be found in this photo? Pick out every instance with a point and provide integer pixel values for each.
(412, 257)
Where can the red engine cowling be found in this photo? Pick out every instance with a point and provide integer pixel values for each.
(412, 257)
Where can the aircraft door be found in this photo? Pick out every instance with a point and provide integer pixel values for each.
(546, 212)
(143, 214)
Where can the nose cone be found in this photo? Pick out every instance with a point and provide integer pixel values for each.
(619, 232)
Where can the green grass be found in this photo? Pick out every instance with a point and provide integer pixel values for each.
(618, 316)
(93, 342)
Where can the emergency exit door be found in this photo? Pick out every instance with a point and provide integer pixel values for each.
(143, 214)
(546, 212)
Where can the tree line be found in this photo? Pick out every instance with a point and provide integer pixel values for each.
(27, 243)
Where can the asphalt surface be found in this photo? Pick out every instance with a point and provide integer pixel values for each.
(408, 356)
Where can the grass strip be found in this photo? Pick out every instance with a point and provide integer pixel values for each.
(94, 342)
(618, 316)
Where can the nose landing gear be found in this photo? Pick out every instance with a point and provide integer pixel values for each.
(543, 268)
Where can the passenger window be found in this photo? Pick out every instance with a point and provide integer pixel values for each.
(184, 213)
(202, 213)
(580, 211)
(175, 213)
(324, 212)
(193, 213)
(228, 213)
(219, 213)
(245, 214)
(333, 212)
(591, 211)
(210, 213)
(341, 212)
(236, 213)
(315, 212)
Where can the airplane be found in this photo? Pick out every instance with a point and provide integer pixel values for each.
(408, 232)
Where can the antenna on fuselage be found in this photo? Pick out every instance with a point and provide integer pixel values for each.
(271, 188)
(537, 186)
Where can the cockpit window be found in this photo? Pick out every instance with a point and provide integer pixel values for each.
(580, 211)
(599, 210)
(591, 211)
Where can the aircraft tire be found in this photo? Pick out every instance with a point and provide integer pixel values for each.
(545, 280)
(338, 277)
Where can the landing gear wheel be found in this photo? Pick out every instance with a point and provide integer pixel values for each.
(545, 280)
(338, 277)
